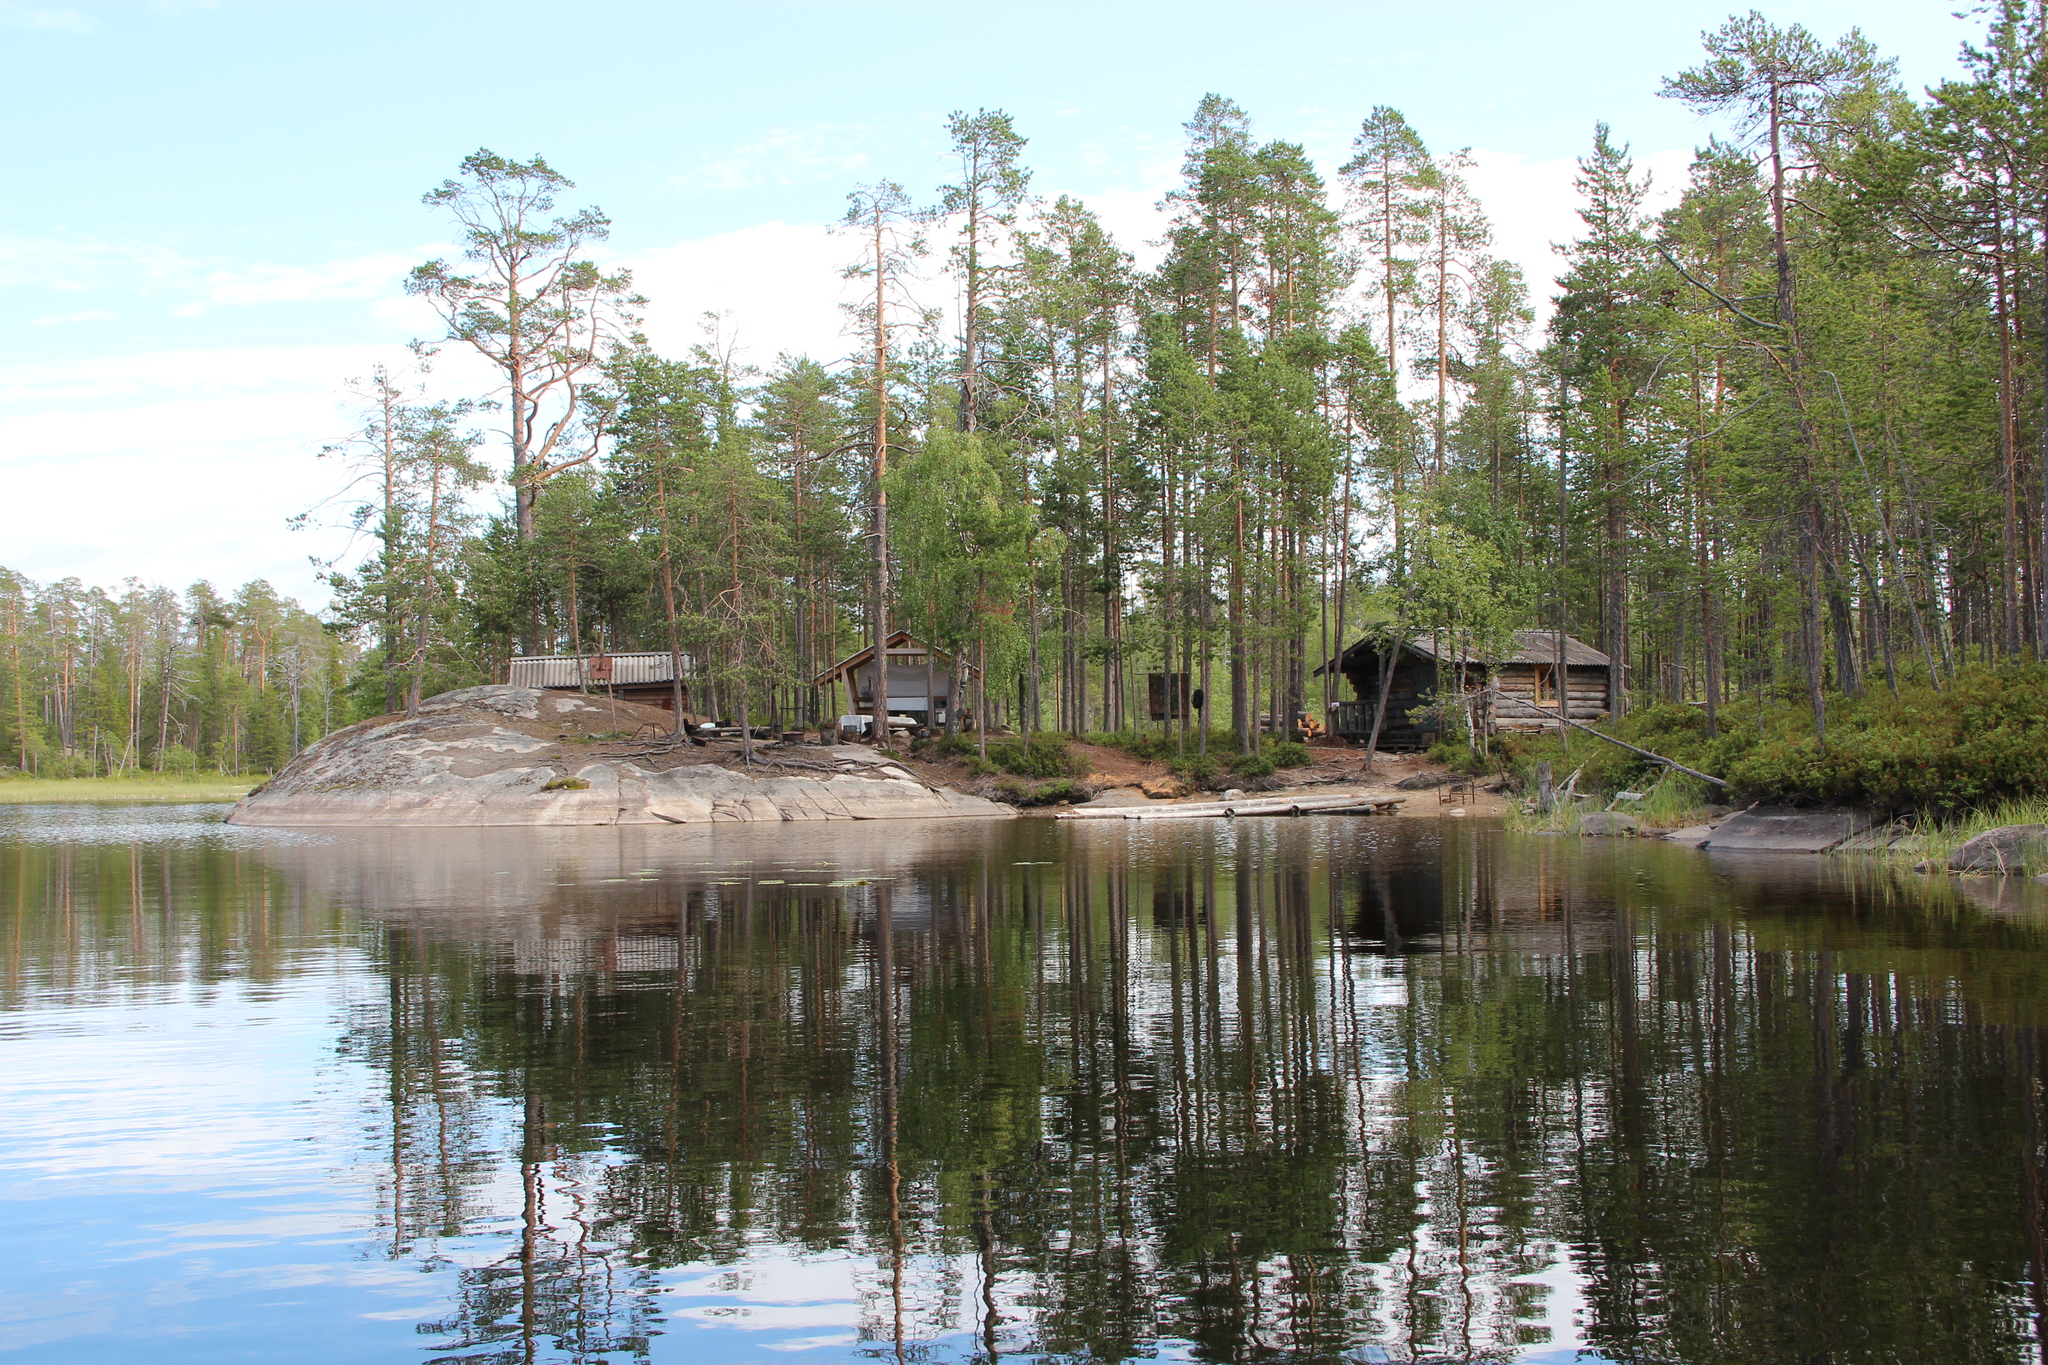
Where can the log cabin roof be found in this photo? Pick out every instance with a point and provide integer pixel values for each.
(901, 641)
(1527, 647)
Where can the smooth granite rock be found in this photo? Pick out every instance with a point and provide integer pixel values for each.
(1784, 830)
(2009, 848)
(1607, 822)
(520, 756)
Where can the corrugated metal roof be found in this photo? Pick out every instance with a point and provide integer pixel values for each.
(570, 670)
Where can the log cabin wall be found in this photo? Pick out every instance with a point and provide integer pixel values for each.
(1585, 688)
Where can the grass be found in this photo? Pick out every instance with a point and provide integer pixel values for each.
(137, 787)
(1938, 840)
(1674, 801)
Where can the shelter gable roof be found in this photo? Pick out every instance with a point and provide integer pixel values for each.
(901, 639)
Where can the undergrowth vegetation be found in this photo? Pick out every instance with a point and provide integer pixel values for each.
(1042, 755)
(1979, 741)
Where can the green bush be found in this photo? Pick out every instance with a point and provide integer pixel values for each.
(1197, 770)
(944, 746)
(1253, 765)
(176, 758)
(1160, 746)
(1290, 754)
(1062, 791)
(1980, 741)
(1042, 755)
(1458, 756)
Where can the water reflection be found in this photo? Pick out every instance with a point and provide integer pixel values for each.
(1284, 1090)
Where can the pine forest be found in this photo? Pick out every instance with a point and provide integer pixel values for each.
(1779, 450)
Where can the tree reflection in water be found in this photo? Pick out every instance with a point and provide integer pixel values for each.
(1284, 1090)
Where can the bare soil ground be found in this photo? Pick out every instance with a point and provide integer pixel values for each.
(1334, 766)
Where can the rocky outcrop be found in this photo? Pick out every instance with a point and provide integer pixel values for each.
(2007, 849)
(1766, 829)
(1608, 823)
(520, 756)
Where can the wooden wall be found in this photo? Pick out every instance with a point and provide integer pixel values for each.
(1586, 689)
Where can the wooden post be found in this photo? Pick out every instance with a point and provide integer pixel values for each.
(1543, 792)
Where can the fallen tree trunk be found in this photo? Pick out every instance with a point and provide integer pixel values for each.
(1675, 766)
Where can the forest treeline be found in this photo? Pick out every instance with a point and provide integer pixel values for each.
(1782, 441)
(145, 678)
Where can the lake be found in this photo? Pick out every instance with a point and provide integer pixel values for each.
(1271, 1090)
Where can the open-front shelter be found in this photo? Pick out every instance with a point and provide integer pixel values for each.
(1538, 669)
(921, 681)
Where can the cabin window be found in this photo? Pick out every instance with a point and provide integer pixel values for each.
(1543, 678)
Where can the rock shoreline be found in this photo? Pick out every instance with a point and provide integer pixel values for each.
(2005, 851)
(498, 756)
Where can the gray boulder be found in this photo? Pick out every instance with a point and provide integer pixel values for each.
(1607, 822)
(1781, 829)
(1692, 836)
(2009, 848)
(1116, 796)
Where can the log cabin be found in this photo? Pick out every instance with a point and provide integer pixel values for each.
(1527, 677)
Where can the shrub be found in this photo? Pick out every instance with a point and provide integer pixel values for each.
(1458, 756)
(1160, 746)
(944, 746)
(1980, 741)
(1042, 755)
(176, 758)
(1253, 765)
(1290, 754)
(1061, 791)
(1197, 770)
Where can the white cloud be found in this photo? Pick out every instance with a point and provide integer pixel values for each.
(787, 156)
(780, 281)
(359, 277)
(197, 372)
(62, 319)
(81, 262)
(1534, 207)
(40, 20)
(84, 264)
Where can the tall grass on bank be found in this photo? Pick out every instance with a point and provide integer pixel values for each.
(1673, 801)
(1937, 840)
(198, 787)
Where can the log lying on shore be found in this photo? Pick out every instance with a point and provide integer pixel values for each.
(1333, 804)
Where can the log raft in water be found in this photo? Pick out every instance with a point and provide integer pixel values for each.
(1269, 805)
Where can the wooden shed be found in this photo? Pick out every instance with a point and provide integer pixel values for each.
(1526, 676)
(921, 681)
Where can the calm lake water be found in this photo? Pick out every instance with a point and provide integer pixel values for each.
(1279, 1090)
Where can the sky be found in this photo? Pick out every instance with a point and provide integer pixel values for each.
(211, 207)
